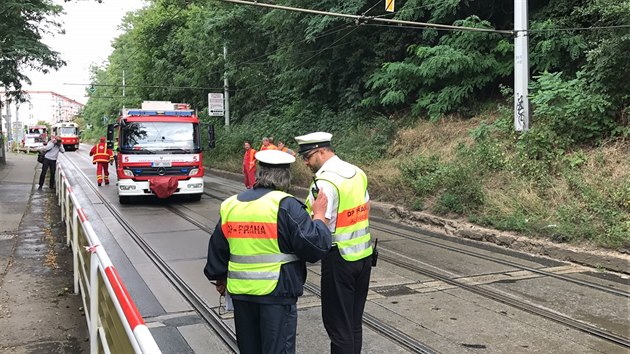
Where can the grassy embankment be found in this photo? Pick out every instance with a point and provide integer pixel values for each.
(479, 170)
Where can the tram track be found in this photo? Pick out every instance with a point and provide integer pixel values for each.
(223, 331)
(502, 261)
(371, 321)
(492, 294)
(229, 338)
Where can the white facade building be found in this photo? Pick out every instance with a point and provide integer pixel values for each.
(46, 106)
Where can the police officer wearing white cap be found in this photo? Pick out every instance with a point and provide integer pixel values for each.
(346, 268)
(258, 251)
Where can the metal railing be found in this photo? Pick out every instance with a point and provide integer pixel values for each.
(114, 322)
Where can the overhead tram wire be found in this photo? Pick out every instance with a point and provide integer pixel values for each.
(151, 86)
(249, 61)
(595, 28)
(360, 19)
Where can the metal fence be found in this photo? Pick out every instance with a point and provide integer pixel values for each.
(114, 322)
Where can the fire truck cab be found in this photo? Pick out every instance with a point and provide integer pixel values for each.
(35, 136)
(158, 151)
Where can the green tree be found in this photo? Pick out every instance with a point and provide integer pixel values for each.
(22, 25)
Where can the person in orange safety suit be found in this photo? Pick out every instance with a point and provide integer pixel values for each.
(249, 165)
(101, 156)
(267, 144)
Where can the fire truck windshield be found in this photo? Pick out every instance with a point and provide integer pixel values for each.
(173, 137)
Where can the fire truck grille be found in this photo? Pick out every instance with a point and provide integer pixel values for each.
(163, 171)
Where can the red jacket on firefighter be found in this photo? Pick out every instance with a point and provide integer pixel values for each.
(101, 156)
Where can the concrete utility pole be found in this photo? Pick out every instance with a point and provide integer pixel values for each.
(521, 67)
(8, 118)
(226, 89)
(3, 158)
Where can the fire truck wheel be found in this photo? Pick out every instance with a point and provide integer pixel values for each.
(124, 199)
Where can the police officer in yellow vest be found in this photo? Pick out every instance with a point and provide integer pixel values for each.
(346, 268)
(257, 251)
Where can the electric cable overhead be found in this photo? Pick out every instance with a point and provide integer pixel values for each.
(578, 28)
(330, 46)
(361, 19)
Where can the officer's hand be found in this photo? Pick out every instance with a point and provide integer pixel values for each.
(111, 162)
(220, 286)
(319, 206)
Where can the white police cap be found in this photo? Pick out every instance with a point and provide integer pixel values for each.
(274, 158)
(312, 141)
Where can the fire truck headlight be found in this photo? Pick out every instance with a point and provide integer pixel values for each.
(128, 173)
(193, 172)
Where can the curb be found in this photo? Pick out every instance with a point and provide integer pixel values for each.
(592, 257)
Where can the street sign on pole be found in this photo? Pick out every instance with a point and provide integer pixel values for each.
(389, 5)
(215, 104)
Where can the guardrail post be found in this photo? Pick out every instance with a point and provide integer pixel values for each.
(93, 304)
(75, 249)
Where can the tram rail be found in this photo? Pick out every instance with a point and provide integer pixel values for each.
(480, 290)
(223, 331)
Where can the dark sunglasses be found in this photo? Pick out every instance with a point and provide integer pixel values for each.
(308, 156)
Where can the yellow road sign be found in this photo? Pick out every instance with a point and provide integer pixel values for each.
(389, 5)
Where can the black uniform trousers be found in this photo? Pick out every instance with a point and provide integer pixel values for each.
(45, 165)
(265, 329)
(344, 291)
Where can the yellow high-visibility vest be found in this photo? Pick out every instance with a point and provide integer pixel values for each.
(352, 233)
(251, 229)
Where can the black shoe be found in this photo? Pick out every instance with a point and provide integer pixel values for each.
(99, 184)
(106, 182)
(39, 188)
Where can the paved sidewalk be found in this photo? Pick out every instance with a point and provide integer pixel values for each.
(38, 312)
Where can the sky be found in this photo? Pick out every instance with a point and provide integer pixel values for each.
(90, 29)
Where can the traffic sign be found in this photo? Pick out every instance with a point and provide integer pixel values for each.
(389, 5)
(215, 104)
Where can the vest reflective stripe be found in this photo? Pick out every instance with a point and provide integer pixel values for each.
(264, 258)
(355, 249)
(251, 229)
(101, 155)
(253, 275)
(352, 232)
(350, 235)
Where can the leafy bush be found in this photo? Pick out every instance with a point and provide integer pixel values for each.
(569, 109)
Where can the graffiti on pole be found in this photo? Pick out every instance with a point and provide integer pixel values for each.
(520, 111)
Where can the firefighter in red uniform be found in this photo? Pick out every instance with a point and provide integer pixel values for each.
(101, 156)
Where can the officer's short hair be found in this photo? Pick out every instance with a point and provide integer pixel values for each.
(274, 178)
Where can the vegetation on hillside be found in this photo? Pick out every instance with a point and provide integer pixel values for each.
(417, 108)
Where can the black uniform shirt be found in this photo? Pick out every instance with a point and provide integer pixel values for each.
(297, 233)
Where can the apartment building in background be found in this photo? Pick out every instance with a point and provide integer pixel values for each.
(46, 106)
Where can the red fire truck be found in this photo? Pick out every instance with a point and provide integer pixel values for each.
(159, 151)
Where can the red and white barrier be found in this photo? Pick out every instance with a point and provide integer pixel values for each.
(74, 216)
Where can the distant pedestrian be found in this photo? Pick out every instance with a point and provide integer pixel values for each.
(345, 274)
(267, 145)
(258, 251)
(52, 150)
(249, 165)
(101, 156)
(282, 147)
